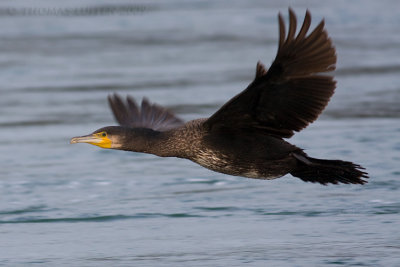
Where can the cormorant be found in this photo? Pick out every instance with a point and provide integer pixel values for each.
(245, 137)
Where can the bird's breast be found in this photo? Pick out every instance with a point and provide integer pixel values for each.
(228, 164)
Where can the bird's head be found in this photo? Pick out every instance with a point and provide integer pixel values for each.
(121, 138)
(106, 137)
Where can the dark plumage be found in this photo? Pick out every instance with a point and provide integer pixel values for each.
(245, 136)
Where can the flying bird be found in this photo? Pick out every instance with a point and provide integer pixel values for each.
(246, 136)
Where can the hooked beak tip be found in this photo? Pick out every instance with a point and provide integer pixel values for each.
(73, 140)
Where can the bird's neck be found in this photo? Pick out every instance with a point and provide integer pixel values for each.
(147, 141)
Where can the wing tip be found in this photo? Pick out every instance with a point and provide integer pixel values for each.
(308, 53)
(128, 112)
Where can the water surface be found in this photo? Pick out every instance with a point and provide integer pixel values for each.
(78, 205)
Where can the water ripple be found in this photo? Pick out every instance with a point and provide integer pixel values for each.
(368, 70)
(102, 218)
(30, 209)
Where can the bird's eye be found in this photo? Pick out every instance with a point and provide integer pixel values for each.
(104, 134)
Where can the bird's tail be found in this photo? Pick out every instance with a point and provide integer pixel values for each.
(328, 171)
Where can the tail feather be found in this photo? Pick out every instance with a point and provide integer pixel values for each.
(328, 171)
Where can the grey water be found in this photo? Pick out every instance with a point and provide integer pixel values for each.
(79, 205)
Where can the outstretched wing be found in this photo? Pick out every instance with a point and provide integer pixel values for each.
(292, 93)
(128, 113)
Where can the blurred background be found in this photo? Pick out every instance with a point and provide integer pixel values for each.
(78, 205)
